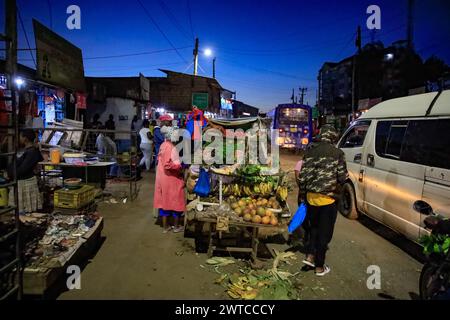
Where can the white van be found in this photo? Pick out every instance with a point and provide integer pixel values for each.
(399, 152)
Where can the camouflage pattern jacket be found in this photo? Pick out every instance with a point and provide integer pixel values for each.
(324, 170)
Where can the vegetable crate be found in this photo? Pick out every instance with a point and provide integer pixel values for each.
(74, 199)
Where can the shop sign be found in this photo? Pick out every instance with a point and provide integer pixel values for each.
(59, 62)
(315, 112)
(200, 100)
(222, 224)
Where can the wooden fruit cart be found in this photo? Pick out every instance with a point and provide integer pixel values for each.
(217, 227)
(214, 232)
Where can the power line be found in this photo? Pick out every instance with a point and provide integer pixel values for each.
(136, 54)
(172, 18)
(352, 38)
(190, 19)
(161, 31)
(141, 66)
(26, 37)
(262, 70)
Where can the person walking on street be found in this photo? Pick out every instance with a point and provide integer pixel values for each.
(322, 175)
(146, 145)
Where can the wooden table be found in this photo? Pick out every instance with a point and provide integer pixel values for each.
(244, 226)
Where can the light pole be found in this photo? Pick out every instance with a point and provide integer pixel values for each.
(208, 52)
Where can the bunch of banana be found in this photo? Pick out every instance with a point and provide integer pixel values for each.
(227, 190)
(247, 191)
(256, 189)
(236, 190)
(282, 193)
(266, 188)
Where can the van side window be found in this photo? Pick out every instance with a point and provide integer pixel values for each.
(381, 136)
(395, 140)
(356, 135)
(389, 138)
(426, 142)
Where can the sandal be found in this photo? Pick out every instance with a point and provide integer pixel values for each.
(178, 229)
(326, 269)
(309, 263)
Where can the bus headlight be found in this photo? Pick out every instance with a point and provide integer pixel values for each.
(280, 140)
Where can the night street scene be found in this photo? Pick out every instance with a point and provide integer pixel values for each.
(221, 156)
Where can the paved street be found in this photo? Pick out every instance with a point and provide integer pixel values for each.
(138, 261)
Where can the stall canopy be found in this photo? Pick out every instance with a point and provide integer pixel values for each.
(233, 122)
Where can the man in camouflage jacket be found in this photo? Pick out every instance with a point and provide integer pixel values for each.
(323, 173)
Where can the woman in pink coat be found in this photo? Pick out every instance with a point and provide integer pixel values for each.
(169, 195)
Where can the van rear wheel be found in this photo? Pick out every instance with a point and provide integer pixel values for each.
(347, 205)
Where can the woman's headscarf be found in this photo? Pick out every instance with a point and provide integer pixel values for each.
(169, 133)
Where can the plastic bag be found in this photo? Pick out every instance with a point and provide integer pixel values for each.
(298, 218)
(203, 185)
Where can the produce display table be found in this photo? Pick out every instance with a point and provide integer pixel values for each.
(243, 226)
(86, 167)
(36, 281)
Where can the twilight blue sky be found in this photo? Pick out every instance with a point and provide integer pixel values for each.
(263, 48)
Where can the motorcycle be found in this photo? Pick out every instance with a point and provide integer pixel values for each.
(434, 282)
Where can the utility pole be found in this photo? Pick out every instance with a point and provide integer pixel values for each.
(358, 45)
(293, 96)
(302, 94)
(410, 30)
(214, 68)
(196, 57)
(11, 41)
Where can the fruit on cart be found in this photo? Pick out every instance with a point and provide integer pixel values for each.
(247, 217)
(247, 211)
(234, 205)
(261, 211)
(238, 211)
(274, 221)
(268, 213)
(256, 219)
(241, 203)
(282, 193)
(253, 212)
(266, 220)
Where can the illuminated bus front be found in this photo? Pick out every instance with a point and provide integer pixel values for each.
(294, 127)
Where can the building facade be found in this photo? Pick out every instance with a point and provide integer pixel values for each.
(380, 73)
(175, 92)
(242, 110)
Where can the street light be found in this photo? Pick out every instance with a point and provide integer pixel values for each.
(208, 52)
(19, 82)
(389, 56)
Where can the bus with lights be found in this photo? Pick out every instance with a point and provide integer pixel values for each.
(294, 124)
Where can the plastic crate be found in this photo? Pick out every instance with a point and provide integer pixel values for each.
(74, 199)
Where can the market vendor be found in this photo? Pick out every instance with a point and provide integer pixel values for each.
(29, 196)
(169, 195)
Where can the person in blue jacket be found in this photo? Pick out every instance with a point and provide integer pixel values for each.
(158, 137)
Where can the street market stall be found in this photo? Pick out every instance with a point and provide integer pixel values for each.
(245, 201)
(52, 243)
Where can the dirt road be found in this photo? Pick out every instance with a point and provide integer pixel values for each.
(138, 261)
